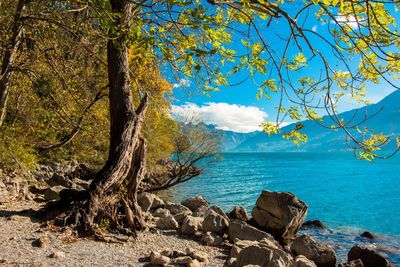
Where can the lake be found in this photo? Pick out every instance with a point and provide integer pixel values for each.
(348, 195)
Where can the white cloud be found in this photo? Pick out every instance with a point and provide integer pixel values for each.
(224, 116)
(349, 20)
(182, 82)
(314, 28)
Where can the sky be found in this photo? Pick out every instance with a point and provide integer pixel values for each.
(237, 109)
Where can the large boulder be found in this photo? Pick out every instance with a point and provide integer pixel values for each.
(368, 256)
(220, 211)
(323, 255)
(176, 208)
(145, 201)
(167, 223)
(241, 230)
(239, 213)
(264, 254)
(215, 223)
(195, 203)
(191, 225)
(280, 214)
(201, 212)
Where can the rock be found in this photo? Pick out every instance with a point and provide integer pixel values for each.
(280, 214)
(57, 255)
(158, 259)
(368, 235)
(145, 201)
(176, 208)
(157, 203)
(42, 242)
(212, 239)
(179, 217)
(201, 212)
(215, 223)
(261, 254)
(167, 223)
(160, 212)
(198, 255)
(195, 203)
(368, 256)
(191, 224)
(2, 185)
(239, 245)
(58, 179)
(219, 211)
(172, 253)
(323, 255)
(82, 172)
(231, 262)
(239, 213)
(194, 263)
(53, 193)
(240, 230)
(182, 260)
(301, 261)
(355, 263)
(313, 224)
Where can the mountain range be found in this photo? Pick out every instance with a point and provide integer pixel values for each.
(384, 117)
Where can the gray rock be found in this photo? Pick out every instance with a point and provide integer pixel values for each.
(368, 256)
(212, 239)
(53, 193)
(215, 223)
(280, 214)
(176, 208)
(323, 255)
(167, 223)
(191, 225)
(241, 230)
(239, 213)
(195, 203)
(202, 211)
(179, 217)
(302, 261)
(161, 213)
(219, 211)
(145, 201)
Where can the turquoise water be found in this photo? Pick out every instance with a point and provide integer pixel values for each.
(348, 195)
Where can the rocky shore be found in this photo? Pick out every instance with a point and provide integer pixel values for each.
(190, 233)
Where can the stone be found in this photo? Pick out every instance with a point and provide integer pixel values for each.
(58, 179)
(201, 212)
(157, 203)
(368, 256)
(179, 217)
(194, 263)
(53, 193)
(231, 262)
(195, 203)
(261, 254)
(280, 214)
(42, 242)
(323, 255)
(355, 263)
(2, 185)
(145, 201)
(200, 256)
(182, 260)
(212, 239)
(302, 261)
(161, 213)
(219, 211)
(368, 235)
(215, 223)
(167, 223)
(317, 224)
(176, 208)
(241, 230)
(57, 255)
(191, 224)
(239, 213)
(158, 259)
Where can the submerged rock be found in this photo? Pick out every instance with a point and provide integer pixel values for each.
(280, 214)
(322, 254)
(368, 256)
(368, 235)
(313, 224)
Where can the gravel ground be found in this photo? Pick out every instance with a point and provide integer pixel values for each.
(19, 234)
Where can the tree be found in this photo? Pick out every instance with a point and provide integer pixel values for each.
(191, 36)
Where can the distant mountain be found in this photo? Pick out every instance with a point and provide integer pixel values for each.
(386, 120)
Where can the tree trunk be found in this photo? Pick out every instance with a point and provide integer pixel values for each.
(9, 58)
(113, 191)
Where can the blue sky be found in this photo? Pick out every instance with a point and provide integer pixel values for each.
(236, 108)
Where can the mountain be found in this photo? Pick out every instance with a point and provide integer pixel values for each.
(385, 118)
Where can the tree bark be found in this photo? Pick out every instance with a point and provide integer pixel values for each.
(7, 63)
